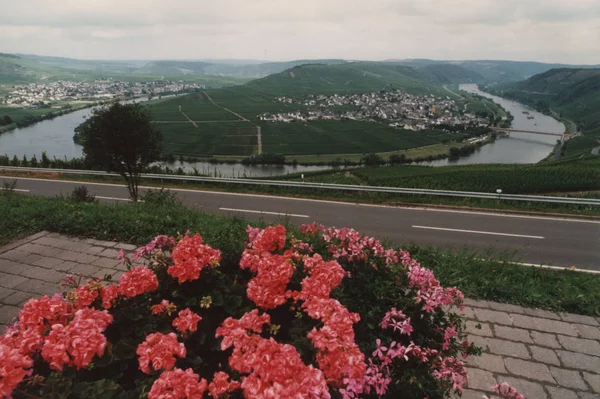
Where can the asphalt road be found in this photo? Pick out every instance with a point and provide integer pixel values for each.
(537, 240)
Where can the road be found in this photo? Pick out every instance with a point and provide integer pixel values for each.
(456, 94)
(536, 240)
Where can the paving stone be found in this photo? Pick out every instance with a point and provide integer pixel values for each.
(11, 280)
(581, 345)
(48, 263)
(561, 393)
(544, 314)
(588, 395)
(545, 339)
(484, 329)
(53, 235)
(505, 307)
(47, 240)
(544, 325)
(94, 250)
(5, 292)
(45, 288)
(51, 252)
(513, 334)
(576, 318)
(107, 244)
(33, 248)
(467, 312)
(69, 255)
(80, 247)
(39, 273)
(126, 247)
(30, 285)
(117, 276)
(531, 370)
(18, 298)
(19, 256)
(568, 378)
(110, 253)
(477, 303)
(8, 313)
(470, 394)
(479, 341)
(480, 379)
(86, 270)
(593, 380)
(508, 348)
(493, 316)
(103, 272)
(10, 267)
(579, 361)
(488, 362)
(544, 355)
(589, 332)
(531, 390)
(106, 262)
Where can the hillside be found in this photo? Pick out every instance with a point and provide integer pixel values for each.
(451, 74)
(574, 93)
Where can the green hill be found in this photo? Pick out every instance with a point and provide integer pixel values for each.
(452, 74)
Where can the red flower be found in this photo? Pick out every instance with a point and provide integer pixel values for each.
(78, 342)
(164, 306)
(159, 351)
(270, 239)
(190, 257)
(38, 315)
(187, 321)
(178, 384)
(85, 295)
(137, 281)
(12, 368)
(109, 295)
(220, 385)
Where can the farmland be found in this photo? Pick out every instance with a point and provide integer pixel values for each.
(313, 138)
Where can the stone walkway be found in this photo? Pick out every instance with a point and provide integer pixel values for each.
(543, 354)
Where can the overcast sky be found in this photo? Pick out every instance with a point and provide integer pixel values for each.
(541, 30)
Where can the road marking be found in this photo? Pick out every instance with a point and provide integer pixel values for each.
(576, 269)
(114, 198)
(264, 212)
(477, 232)
(15, 189)
(408, 208)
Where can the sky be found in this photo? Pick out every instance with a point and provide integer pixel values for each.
(566, 31)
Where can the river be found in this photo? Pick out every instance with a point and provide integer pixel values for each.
(56, 138)
(518, 147)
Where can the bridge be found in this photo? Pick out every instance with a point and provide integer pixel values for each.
(509, 130)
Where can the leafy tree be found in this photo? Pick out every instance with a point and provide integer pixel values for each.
(455, 152)
(372, 159)
(121, 138)
(397, 158)
(7, 120)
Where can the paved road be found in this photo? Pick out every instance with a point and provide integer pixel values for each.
(539, 240)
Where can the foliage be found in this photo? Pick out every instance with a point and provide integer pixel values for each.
(121, 138)
(264, 159)
(372, 159)
(8, 187)
(159, 197)
(334, 311)
(81, 194)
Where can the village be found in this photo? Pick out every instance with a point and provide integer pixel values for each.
(398, 108)
(43, 95)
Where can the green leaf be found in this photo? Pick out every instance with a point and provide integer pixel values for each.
(101, 389)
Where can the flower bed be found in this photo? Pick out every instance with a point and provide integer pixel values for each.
(319, 314)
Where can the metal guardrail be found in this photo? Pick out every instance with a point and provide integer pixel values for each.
(344, 187)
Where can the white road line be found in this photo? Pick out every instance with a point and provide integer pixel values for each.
(408, 208)
(576, 269)
(16, 189)
(477, 232)
(264, 212)
(113, 198)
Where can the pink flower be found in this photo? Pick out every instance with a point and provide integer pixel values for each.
(109, 295)
(190, 256)
(77, 343)
(506, 392)
(159, 243)
(85, 295)
(137, 281)
(158, 351)
(178, 384)
(187, 321)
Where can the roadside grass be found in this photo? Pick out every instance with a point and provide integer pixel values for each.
(494, 279)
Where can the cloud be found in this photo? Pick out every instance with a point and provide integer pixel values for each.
(554, 30)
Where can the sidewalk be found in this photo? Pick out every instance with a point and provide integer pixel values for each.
(542, 354)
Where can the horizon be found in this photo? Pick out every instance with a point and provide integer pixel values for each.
(556, 31)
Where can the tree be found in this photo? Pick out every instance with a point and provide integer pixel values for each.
(454, 152)
(7, 120)
(121, 138)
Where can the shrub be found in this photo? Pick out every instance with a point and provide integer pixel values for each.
(81, 194)
(8, 187)
(325, 313)
(160, 197)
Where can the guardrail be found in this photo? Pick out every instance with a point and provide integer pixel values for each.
(343, 187)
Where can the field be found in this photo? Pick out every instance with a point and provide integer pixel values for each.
(579, 175)
(296, 140)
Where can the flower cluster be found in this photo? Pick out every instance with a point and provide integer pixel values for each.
(158, 351)
(190, 256)
(76, 343)
(85, 295)
(109, 295)
(178, 384)
(159, 243)
(274, 370)
(506, 392)
(429, 290)
(137, 281)
(267, 289)
(13, 366)
(164, 307)
(220, 385)
(187, 321)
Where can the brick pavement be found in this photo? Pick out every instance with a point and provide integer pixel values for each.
(541, 353)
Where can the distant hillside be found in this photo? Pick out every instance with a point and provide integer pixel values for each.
(354, 77)
(492, 71)
(451, 74)
(573, 92)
